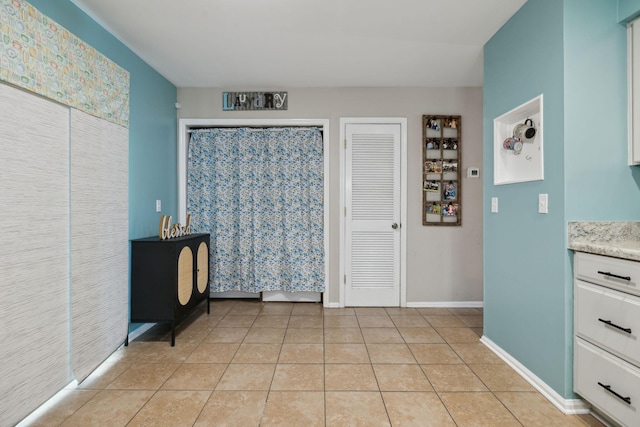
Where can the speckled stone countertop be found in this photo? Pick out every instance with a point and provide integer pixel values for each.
(615, 239)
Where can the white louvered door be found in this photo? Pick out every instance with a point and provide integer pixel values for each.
(372, 226)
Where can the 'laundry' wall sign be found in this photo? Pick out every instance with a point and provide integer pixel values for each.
(244, 101)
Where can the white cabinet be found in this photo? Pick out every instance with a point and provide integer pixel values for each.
(607, 326)
(633, 61)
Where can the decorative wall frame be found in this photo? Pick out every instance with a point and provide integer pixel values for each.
(441, 180)
(517, 158)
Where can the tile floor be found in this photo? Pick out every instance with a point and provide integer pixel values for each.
(250, 363)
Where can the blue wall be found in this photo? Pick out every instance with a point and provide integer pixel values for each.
(576, 54)
(153, 123)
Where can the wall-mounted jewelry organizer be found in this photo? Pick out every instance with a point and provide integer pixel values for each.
(518, 142)
(441, 183)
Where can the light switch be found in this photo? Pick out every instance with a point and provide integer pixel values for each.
(494, 205)
(158, 205)
(543, 203)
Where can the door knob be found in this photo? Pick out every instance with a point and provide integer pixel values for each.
(394, 225)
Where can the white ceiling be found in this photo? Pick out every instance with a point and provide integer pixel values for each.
(307, 43)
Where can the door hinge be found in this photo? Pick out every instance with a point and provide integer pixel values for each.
(345, 211)
(345, 143)
(345, 279)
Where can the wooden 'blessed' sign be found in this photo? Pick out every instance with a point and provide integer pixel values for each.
(168, 231)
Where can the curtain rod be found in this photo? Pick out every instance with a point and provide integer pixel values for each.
(210, 128)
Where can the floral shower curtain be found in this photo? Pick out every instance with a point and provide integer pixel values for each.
(259, 193)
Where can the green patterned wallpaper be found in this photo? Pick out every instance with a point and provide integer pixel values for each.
(43, 57)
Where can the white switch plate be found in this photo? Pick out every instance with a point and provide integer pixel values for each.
(494, 205)
(543, 203)
(158, 205)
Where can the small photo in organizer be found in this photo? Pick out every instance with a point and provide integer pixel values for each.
(450, 191)
(433, 208)
(450, 166)
(450, 144)
(450, 209)
(432, 186)
(433, 166)
(433, 144)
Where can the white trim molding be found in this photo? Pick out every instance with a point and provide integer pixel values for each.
(185, 125)
(447, 304)
(567, 406)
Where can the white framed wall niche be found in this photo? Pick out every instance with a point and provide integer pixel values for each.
(519, 158)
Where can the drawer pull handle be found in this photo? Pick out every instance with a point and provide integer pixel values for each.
(608, 388)
(610, 323)
(606, 273)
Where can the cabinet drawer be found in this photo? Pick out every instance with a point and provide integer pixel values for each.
(594, 369)
(613, 273)
(608, 318)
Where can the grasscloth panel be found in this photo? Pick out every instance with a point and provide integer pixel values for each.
(34, 254)
(99, 240)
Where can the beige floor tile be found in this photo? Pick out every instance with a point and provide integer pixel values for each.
(355, 409)
(409, 321)
(347, 311)
(390, 353)
(233, 409)
(301, 353)
(501, 378)
(72, 401)
(271, 322)
(375, 321)
(237, 321)
(277, 309)
(401, 311)
(304, 336)
(345, 353)
(103, 376)
(253, 377)
(445, 321)
(434, 354)
(453, 378)
(109, 408)
(294, 408)
(381, 336)
(472, 321)
(476, 353)
(425, 335)
(478, 331)
(419, 409)
(257, 353)
(434, 311)
(350, 377)
(143, 376)
(533, 410)
(401, 378)
(195, 376)
(309, 321)
(213, 353)
(370, 311)
(340, 322)
(226, 335)
(343, 335)
(298, 377)
(478, 410)
(171, 409)
(162, 352)
(244, 310)
(590, 420)
(463, 311)
(458, 335)
(219, 310)
(265, 336)
(307, 309)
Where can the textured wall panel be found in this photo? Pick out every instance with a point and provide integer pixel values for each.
(34, 254)
(99, 240)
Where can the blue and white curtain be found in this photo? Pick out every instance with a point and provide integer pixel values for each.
(259, 193)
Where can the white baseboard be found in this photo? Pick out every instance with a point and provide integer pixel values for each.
(282, 296)
(328, 304)
(567, 406)
(447, 304)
